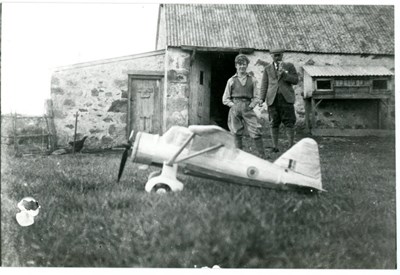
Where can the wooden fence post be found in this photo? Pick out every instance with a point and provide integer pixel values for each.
(52, 127)
(76, 126)
(15, 136)
(307, 108)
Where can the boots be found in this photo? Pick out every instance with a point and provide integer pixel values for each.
(290, 136)
(238, 142)
(259, 147)
(274, 136)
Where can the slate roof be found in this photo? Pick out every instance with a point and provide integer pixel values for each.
(351, 29)
(347, 71)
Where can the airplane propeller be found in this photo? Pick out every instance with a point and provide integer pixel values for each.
(125, 155)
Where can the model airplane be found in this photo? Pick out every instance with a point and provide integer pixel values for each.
(210, 152)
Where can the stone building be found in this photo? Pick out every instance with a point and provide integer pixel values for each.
(182, 81)
(100, 93)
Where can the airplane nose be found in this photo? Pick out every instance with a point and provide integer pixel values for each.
(143, 149)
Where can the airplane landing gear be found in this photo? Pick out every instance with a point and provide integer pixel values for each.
(164, 182)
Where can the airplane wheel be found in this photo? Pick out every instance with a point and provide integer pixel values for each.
(161, 188)
(154, 174)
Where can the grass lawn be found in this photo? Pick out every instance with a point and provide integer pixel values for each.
(87, 219)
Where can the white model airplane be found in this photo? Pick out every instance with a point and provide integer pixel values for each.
(210, 152)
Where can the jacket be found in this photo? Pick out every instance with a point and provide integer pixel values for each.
(272, 82)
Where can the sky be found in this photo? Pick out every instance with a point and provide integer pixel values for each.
(38, 37)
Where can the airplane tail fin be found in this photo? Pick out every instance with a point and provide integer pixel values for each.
(303, 158)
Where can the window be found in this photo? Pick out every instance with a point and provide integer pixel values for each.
(201, 78)
(324, 84)
(379, 84)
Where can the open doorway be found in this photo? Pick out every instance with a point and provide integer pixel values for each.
(222, 68)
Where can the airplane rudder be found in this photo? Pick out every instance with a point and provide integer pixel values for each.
(302, 158)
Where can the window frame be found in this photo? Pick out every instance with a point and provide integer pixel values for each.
(379, 79)
(331, 80)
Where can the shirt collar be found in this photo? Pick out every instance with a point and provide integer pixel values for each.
(236, 75)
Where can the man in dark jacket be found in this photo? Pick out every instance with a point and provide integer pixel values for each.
(276, 88)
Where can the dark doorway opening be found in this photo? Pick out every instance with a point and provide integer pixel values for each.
(222, 68)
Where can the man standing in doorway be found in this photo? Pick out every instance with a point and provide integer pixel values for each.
(276, 87)
(241, 96)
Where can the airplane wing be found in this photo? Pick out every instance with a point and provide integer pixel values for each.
(179, 144)
(213, 135)
(206, 129)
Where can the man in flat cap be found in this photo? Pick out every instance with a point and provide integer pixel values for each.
(241, 96)
(276, 87)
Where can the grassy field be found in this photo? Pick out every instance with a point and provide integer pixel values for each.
(87, 219)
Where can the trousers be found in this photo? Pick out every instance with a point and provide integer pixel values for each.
(281, 112)
(241, 116)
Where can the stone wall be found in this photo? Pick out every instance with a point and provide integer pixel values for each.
(259, 59)
(98, 91)
(176, 98)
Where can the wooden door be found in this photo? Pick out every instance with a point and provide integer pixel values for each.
(203, 99)
(199, 98)
(145, 103)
